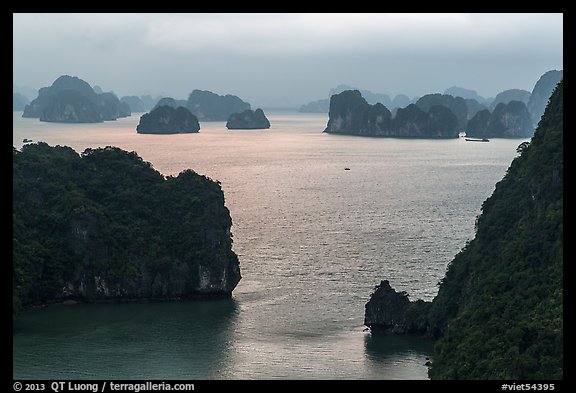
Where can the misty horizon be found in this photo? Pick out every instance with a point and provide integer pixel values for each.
(287, 60)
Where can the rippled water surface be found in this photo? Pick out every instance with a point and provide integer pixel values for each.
(313, 240)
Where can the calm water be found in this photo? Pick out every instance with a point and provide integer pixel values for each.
(313, 240)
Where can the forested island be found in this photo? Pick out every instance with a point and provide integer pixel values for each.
(209, 106)
(104, 225)
(498, 313)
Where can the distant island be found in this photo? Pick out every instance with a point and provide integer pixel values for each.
(19, 102)
(323, 105)
(318, 106)
(248, 120)
(167, 119)
(209, 106)
(498, 313)
(510, 120)
(510, 95)
(350, 114)
(457, 106)
(72, 100)
(105, 226)
(513, 113)
(169, 101)
(135, 103)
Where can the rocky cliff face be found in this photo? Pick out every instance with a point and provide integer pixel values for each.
(168, 120)
(351, 114)
(209, 106)
(248, 120)
(105, 226)
(478, 124)
(473, 107)
(457, 106)
(541, 93)
(387, 309)
(70, 106)
(71, 100)
(111, 107)
(510, 120)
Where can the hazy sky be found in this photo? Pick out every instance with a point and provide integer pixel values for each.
(284, 58)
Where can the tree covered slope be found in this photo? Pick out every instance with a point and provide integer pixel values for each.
(104, 225)
(500, 305)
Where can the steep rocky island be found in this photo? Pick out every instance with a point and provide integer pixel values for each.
(351, 114)
(166, 119)
(498, 313)
(248, 120)
(72, 100)
(510, 120)
(105, 226)
(541, 93)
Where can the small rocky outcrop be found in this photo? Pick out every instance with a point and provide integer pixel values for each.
(393, 311)
(386, 308)
(248, 120)
(168, 120)
(209, 106)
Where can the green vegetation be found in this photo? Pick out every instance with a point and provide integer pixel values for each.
(105, 224)
(499, 309)
(500, 306)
